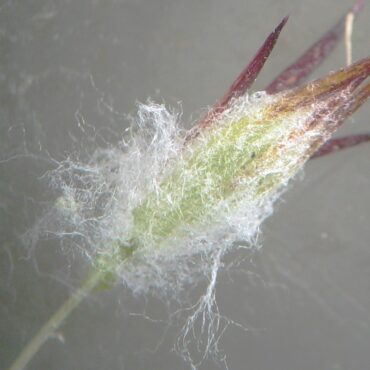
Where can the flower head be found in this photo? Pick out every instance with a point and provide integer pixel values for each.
(249, 151)
(249, 146)
(178, 195)
(216, 188)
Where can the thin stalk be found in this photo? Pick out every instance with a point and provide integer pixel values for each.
(55, 321)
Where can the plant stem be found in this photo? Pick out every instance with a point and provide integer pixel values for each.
(55, 321)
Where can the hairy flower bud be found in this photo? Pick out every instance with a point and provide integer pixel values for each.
(248, 153)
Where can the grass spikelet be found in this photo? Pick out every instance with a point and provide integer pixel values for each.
(146, 211)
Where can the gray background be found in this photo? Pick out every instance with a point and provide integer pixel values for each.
(304, 297)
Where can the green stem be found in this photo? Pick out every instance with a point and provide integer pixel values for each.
(55, 321)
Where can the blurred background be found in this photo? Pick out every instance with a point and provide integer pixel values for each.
(70, 71)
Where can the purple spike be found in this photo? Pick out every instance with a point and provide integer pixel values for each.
(341, 143)
(243, 82)
(313, 57)
(249, 74)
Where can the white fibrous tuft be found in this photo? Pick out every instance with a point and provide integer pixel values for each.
(125, 193)
(180, 205)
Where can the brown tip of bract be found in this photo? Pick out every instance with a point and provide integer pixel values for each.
(342, 84)
(327, 101)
